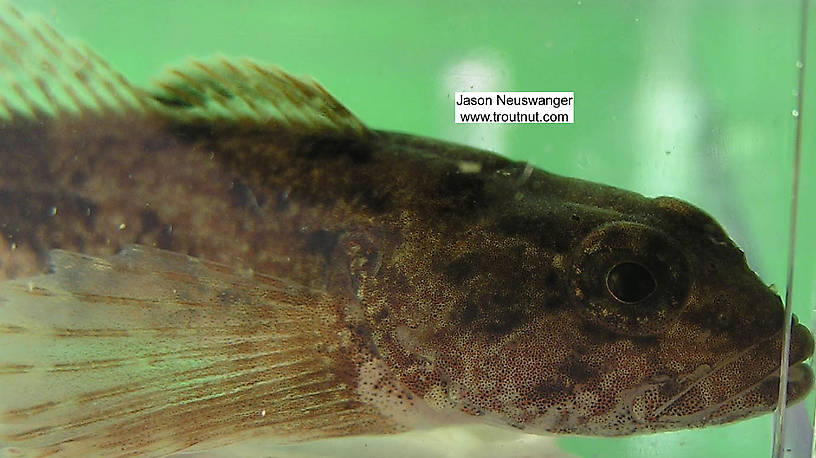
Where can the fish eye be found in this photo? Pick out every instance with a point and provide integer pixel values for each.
(630, 282)
(629, 278)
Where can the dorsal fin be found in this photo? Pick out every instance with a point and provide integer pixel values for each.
(250, 92)
(44, 74)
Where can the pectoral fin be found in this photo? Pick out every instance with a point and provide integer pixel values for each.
(150, 352)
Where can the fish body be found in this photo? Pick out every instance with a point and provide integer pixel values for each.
(233, 254)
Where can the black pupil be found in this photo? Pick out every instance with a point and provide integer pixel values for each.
(630, 282)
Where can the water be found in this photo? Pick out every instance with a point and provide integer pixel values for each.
(690, 99)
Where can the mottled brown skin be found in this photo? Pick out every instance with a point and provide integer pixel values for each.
(481, 287)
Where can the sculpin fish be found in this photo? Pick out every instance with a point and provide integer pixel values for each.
(232, 254)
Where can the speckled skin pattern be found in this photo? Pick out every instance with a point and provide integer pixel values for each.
(472, 288)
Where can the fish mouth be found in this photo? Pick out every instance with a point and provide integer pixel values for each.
(761, 397)
(743, 386)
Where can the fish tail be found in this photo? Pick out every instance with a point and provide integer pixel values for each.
(150, 352)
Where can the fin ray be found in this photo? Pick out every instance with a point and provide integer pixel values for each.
(50, 76)
(45, 75)
(246, 91)
(185, 352)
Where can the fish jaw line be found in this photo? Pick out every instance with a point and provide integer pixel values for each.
(800, 383)
(723, 365)
(758, 395)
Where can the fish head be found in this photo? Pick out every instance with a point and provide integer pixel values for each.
(605, 313)
(684, 313)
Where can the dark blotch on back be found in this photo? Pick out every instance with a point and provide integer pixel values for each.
(57, 216)
(458, 193)
(165, 239)
(347, 156)
(78, 178)
(152, 225)
(372, 196)
(150, 220)
(357, 151)
(243, 196)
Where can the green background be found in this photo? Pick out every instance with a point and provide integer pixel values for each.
(692, 99)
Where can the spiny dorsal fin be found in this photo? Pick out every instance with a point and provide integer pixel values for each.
(43, 74)
(250, 92)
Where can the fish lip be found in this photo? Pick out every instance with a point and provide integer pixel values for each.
(800, 334)
(800, 382)
(808, 353)
(796, 365)
(796, 370)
